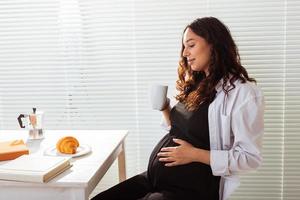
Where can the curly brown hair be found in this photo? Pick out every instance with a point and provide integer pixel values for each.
(195, 87)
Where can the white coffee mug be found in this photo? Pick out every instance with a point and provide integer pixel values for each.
(158, 96)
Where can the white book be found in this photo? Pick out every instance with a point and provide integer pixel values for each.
(28, 168)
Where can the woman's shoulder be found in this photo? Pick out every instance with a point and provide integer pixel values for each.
(247, 89)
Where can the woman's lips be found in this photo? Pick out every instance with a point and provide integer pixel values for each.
(190, 61)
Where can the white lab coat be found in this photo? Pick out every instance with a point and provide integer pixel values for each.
(236, 127)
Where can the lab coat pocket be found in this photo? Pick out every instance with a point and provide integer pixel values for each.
(226, 132)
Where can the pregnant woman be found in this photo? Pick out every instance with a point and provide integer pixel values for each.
(215, 129)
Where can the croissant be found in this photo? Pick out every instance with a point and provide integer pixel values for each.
(67, 144)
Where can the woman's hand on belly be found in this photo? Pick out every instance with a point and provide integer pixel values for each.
(182, 154)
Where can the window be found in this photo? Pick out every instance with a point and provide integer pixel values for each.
(89, 64)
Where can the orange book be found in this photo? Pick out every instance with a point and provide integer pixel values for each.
(10, 150)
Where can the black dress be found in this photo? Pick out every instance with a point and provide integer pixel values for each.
(192, 181)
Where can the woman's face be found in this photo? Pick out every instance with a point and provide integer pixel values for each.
(196, 50)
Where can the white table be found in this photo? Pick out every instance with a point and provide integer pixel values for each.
(78, 182)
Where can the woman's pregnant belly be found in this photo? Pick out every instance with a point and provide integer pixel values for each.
(187, 177)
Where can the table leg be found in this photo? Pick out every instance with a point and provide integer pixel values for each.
(121, 164)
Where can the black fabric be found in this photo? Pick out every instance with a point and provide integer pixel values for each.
(131, 189)
(192, 181)
(135, 188)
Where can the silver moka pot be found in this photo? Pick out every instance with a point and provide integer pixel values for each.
(34, 122)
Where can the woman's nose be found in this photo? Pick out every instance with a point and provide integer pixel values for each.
(185, 53)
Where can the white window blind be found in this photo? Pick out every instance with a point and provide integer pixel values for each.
(291, 149)
(89, 64)
(75, 61)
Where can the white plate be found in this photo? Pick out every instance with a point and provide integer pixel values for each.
(81, 150)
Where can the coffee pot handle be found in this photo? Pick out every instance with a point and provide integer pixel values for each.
(20, 120)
